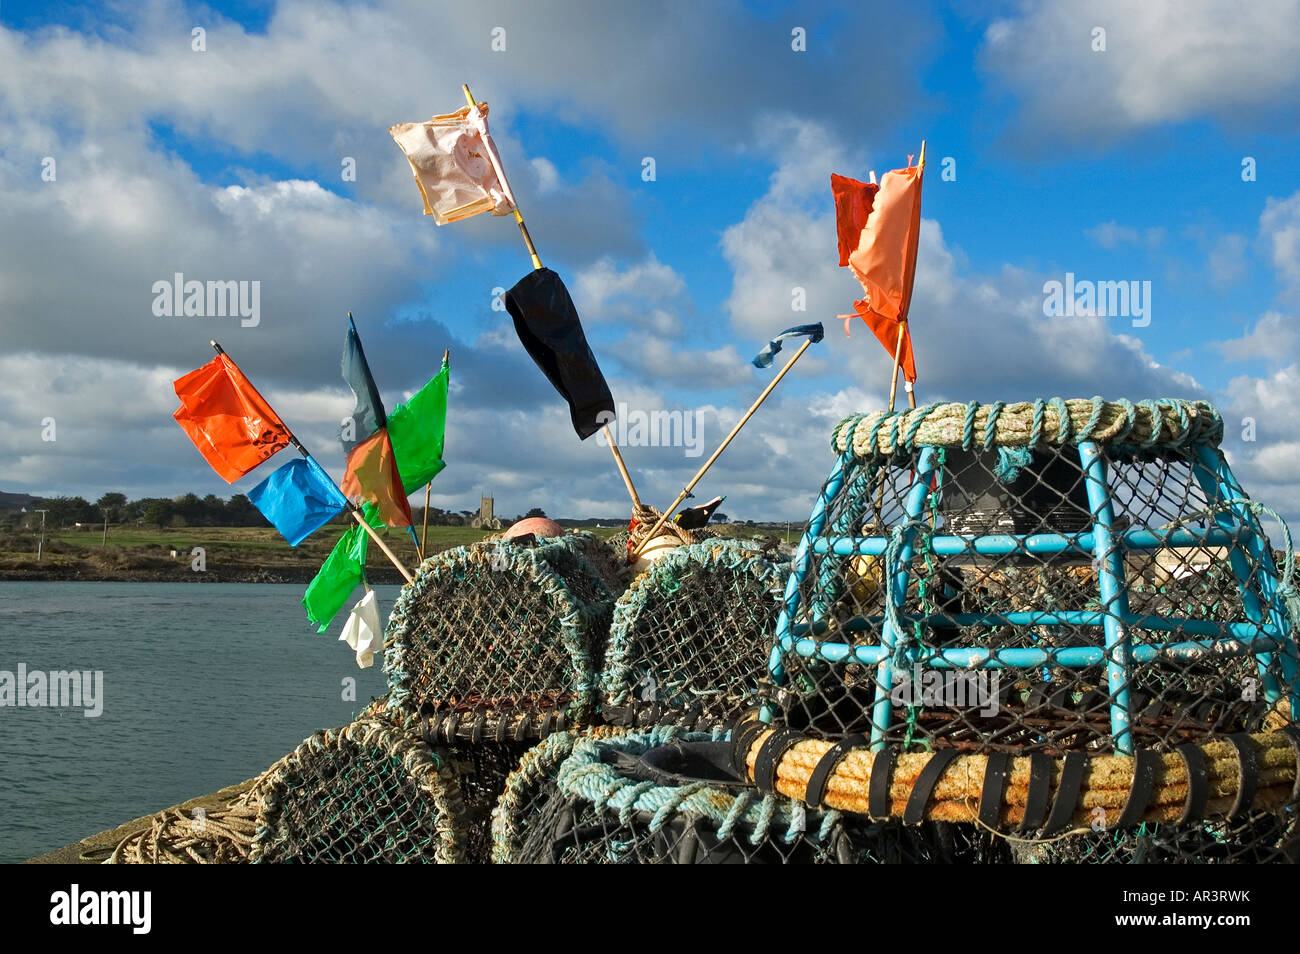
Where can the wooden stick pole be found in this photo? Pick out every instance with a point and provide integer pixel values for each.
(352, 508)
(622, 468)
(663, 517)
(519, 219)
(428, 488)
(537, 263)
(898, 355)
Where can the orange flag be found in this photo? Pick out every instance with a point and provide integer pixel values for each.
(853, 200)
(884, 261)
(229, 422)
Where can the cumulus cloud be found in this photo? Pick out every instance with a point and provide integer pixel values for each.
(1164, 61)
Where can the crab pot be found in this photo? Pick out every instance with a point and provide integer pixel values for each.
(690, 637)
(1044, 577)
(500, 641)
(364, 793)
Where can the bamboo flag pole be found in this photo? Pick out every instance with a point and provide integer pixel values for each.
(902, 324)
(428, 488)
(686, 491)
(537, 264)
(352, 508)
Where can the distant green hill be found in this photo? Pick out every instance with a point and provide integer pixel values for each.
(17, 501)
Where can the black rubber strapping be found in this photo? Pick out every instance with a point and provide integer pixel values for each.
(1248, 767)
(914, 813)
(995, 779)
(1039, 793)
(1293, 736)
(1067, 793)
(1145, 763)
(742, 740)
(769, 756)
(1198, 783)
(879, 804)
(825, 768)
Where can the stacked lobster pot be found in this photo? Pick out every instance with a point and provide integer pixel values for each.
(491, 648)
(1052, 630)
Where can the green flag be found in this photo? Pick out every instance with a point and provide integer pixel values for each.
(342, 570)
(416, 429)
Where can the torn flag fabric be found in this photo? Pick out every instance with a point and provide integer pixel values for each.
(229, 422)
(417, 427)
(853, 200)
(372, 473)
(363, 632)
(764, 358)
(298, 498)
(548, 325)
(456, 165)
(884, 262)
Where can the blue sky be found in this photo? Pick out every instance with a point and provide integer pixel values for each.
(1123, 163)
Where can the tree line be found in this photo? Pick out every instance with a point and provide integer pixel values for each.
(184, 510)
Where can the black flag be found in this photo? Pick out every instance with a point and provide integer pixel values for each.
(548, 325)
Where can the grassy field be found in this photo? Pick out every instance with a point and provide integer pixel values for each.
(234, 550)
(133, 552)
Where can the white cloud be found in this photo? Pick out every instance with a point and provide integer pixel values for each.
(1164, 61)
(1279, 228)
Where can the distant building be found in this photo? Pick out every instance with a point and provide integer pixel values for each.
(485, 520)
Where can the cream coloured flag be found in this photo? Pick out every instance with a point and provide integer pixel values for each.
(456, 165)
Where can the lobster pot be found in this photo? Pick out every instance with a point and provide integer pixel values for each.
(691, 635)
(531, 786)
(364, 793)
(1047, 577)
(499, 641)
(656, 797)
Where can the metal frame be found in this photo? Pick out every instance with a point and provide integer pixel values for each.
(1268, 632)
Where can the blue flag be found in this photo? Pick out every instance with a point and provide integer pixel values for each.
(298, 499)
(764, 358)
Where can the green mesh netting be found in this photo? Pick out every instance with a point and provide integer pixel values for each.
(363, 793)
(690, 636)
(500, 640)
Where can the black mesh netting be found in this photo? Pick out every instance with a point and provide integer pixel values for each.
(666, 798)
(500, 640)
(690, 636)
(364, 793)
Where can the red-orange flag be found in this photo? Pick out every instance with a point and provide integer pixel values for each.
(884, 261)
(853, 201)
(229, 422)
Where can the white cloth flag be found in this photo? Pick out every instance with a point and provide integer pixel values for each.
(363, 631)
(456, 165)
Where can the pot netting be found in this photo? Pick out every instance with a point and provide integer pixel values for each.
(607, 557)
(500, 640)
(364, 793)
(690, 637)
(1047, 577)
(665, 797)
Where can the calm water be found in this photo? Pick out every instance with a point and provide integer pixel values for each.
(205, 685)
